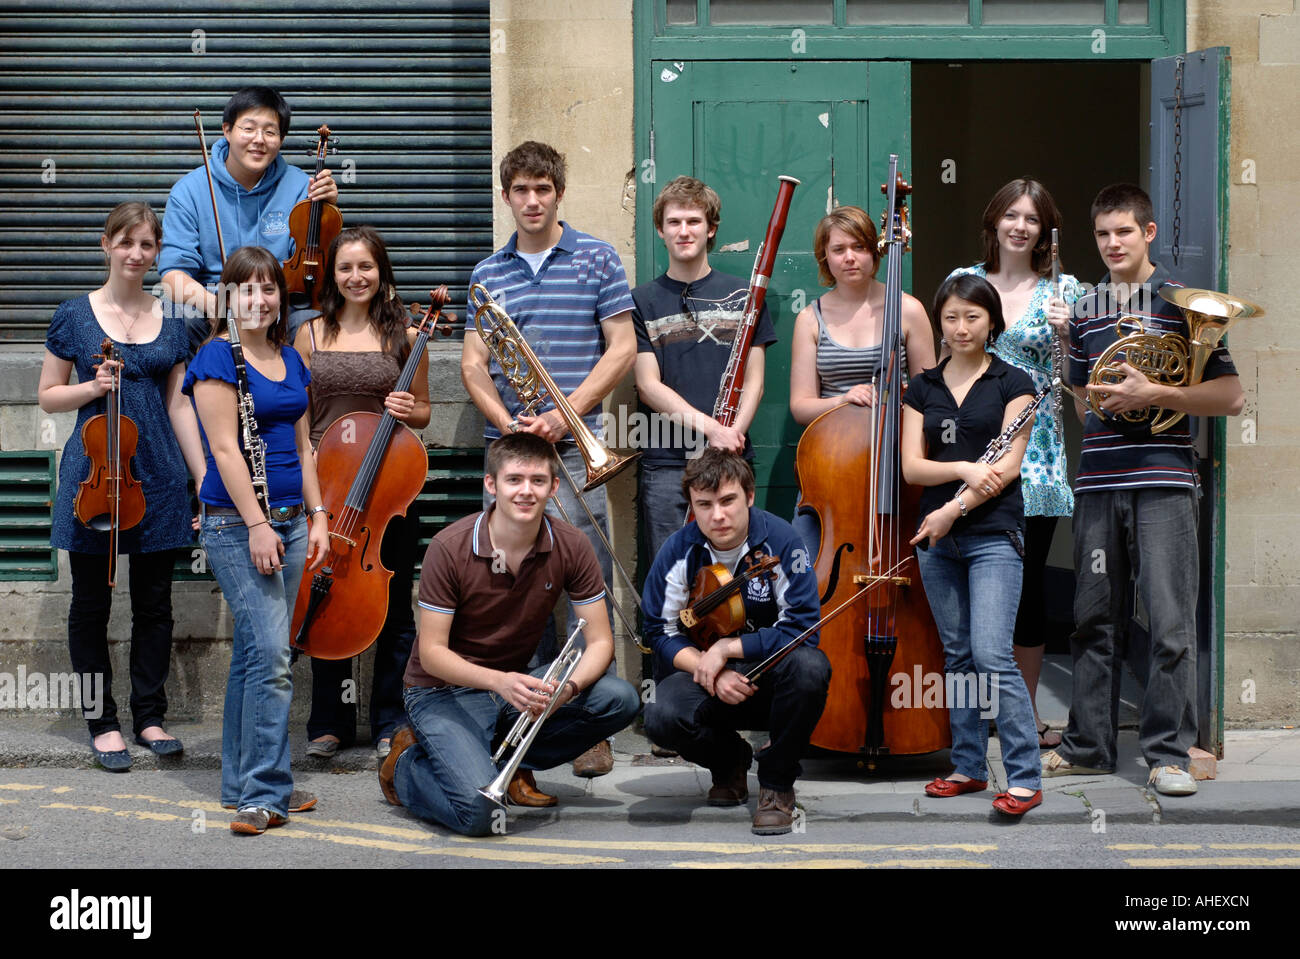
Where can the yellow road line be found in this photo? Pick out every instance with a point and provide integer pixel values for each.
(61, 789)
(21, 787)
(1215, 861)
(840, 864)
(731, 848)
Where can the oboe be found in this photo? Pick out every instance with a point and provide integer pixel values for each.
(1002, 442)
(1058, 350)
(253, 446)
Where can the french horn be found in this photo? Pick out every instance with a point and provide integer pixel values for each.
(1169, 359)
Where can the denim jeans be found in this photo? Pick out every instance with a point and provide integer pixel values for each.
(663, 507)
(457, 728)
(151, 637)
(973, 584)
(1150, 534)
(255, 725)
(702, 728)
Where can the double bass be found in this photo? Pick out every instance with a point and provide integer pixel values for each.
(371, 468)
(850, 474)
(110, 498)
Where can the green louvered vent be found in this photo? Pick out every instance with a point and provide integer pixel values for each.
(453, 490)
(96, 107)
(26, 515)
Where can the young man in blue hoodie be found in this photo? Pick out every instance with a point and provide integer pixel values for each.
(255, 190)
(701, 697)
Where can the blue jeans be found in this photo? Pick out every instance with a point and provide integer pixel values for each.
(663, 506)
(1150, 534)
(255, 724)
(457, 728)
(973, 584)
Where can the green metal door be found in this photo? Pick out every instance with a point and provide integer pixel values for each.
(738, 126)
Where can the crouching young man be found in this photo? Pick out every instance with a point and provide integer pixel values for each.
(487, 585)
(701, 697)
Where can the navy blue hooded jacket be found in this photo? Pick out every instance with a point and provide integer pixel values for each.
(775, 611)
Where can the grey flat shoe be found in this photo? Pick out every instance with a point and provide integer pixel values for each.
(324, 748)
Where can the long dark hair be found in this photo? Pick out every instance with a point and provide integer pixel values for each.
(1049, 218)
(388, 317)
(252, 264)
(972, 288)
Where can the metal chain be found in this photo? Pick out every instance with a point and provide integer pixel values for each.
(1178, 154)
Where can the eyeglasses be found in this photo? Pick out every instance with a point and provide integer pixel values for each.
(686, 303)
(249, 132)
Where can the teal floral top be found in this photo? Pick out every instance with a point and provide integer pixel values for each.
(1026, 345)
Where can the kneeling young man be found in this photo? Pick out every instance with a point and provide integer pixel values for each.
(702, 698)
(487, 585)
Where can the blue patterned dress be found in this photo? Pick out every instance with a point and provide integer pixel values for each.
(75, 335)
(1026, 345)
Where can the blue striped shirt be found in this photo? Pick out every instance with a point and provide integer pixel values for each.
(1112, 459)
(558, 310)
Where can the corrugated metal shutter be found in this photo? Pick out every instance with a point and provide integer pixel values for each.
(27, 515)
(96, 104)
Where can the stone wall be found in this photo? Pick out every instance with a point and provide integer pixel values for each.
(1263, 465)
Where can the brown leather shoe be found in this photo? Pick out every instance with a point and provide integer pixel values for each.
(523, 791)
(403, 739)
(775, 813)
(731, 786)
(596, 761)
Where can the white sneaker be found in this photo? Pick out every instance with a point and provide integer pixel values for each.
(1172, 781)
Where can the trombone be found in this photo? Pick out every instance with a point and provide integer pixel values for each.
(525, 729)
(532, 383)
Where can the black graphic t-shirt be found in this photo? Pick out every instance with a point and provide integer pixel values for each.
(690, 327)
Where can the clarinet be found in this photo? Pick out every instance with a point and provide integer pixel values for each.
(253, 446)
(1058, 350)
(1002, 442)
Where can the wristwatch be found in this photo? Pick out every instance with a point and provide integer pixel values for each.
(960, 505)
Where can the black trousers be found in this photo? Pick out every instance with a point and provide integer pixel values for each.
(1031, 618)
(703, 729)
(333, 694)
(151, 637)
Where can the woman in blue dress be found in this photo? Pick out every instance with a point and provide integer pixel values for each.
(257, 561)
(1017, 232)
(152, 347)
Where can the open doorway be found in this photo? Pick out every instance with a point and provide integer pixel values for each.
(1075, 126)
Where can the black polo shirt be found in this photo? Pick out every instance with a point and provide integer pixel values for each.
(955, 434)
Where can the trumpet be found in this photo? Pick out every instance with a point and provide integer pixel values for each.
(532, 383)
(1169, 359)
(526, 728)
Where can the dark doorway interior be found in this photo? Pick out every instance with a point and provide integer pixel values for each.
(1076, 126)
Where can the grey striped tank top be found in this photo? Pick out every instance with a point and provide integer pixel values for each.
(840, 368)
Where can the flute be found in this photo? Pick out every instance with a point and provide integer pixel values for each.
(1057, 349)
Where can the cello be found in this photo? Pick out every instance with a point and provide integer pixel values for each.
(313, 224)
(888, 638)
(110, 499)
(371, 468)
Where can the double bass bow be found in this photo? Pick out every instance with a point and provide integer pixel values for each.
(110, 498)
(863, 547)
(371, 468)
(313, 224)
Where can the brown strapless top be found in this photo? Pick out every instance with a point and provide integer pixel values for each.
(343, 382)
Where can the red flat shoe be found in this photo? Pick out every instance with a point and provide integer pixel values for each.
(1010, 805)
(944, 788)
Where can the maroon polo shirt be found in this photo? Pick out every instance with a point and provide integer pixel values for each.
(499, 616)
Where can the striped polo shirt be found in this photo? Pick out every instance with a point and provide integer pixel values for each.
(1119, 456)
(558, 310)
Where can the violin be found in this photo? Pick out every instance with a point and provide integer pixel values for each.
(313, 224)
(371, 468)
(716, 608)
(110, 498)
(865, 569)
